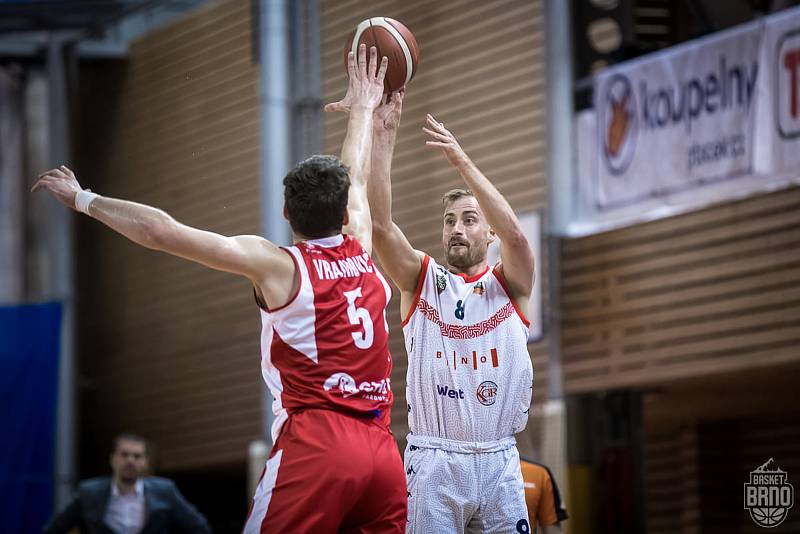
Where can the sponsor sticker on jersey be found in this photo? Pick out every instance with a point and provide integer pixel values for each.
(446, 391)
(347, 386)
(475, 360)
(487, 393)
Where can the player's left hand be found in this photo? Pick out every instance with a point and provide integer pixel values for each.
(441, 137)
(365, 81)
(61, 183)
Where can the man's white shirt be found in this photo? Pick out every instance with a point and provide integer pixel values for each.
(125, 514)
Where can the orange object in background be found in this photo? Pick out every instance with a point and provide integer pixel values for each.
(541, 495)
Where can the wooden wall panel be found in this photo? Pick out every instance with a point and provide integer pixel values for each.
(703, 436)
(706, 292)
(671, 480)
(695, 471)
(481, 73)
(170, 349)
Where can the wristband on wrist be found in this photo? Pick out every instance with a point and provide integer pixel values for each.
(83, 199)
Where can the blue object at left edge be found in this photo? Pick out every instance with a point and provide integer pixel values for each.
(29, 357)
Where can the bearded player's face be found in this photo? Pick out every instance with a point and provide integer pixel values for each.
(465, 234)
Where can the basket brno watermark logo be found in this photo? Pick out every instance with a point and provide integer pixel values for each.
(768, 496)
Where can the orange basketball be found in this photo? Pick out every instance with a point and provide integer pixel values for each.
(393, 40)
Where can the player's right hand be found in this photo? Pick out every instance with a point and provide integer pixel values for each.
(61, 183)
(365, 83)
(387, 115)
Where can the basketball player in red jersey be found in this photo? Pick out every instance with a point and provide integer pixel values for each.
(335, 465)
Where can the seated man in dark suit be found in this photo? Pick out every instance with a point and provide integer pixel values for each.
(128, 502)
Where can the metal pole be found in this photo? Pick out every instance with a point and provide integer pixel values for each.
(306, 82)
(60, 281)
(560, 166)
(273, 40)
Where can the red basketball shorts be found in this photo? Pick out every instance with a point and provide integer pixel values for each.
(331, 472)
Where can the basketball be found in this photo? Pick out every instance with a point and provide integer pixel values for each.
(393, 40)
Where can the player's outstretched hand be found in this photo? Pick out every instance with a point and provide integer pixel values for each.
(61, 183)
(365, 82)
(387, 115)
(440, 137)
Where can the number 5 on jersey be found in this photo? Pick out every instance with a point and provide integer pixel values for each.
(359, 316)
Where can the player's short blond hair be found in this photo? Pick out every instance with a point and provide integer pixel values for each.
(454, 194)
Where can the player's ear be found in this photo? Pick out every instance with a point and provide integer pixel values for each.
(346, 219)
(492, 236)
(285, 212)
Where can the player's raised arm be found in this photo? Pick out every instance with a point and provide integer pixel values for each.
(364, 91)
(399, 259)
(251, 256)
(515, 251)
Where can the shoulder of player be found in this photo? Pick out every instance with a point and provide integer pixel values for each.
(263, 249)
(268, 263)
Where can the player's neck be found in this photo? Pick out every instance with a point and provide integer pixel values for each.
(472, 270)
(296, 238)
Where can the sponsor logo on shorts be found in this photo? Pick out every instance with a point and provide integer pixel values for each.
(487, 393)
(347, 386)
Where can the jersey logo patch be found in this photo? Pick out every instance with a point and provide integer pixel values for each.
(487, 393)
(441, 283)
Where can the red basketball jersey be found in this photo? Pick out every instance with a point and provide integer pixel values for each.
(328, 347)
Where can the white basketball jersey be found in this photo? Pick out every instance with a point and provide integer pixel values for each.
(470, 376)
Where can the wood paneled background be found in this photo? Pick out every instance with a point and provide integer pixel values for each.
(708, 292)
(702, 438)
(170, 349)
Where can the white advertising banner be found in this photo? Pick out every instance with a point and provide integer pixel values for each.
(711, 120)
(780, 119)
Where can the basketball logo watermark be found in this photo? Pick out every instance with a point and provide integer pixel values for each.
(768, 496)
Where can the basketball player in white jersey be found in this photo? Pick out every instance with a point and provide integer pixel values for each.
(470, 377)
(334, 466)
